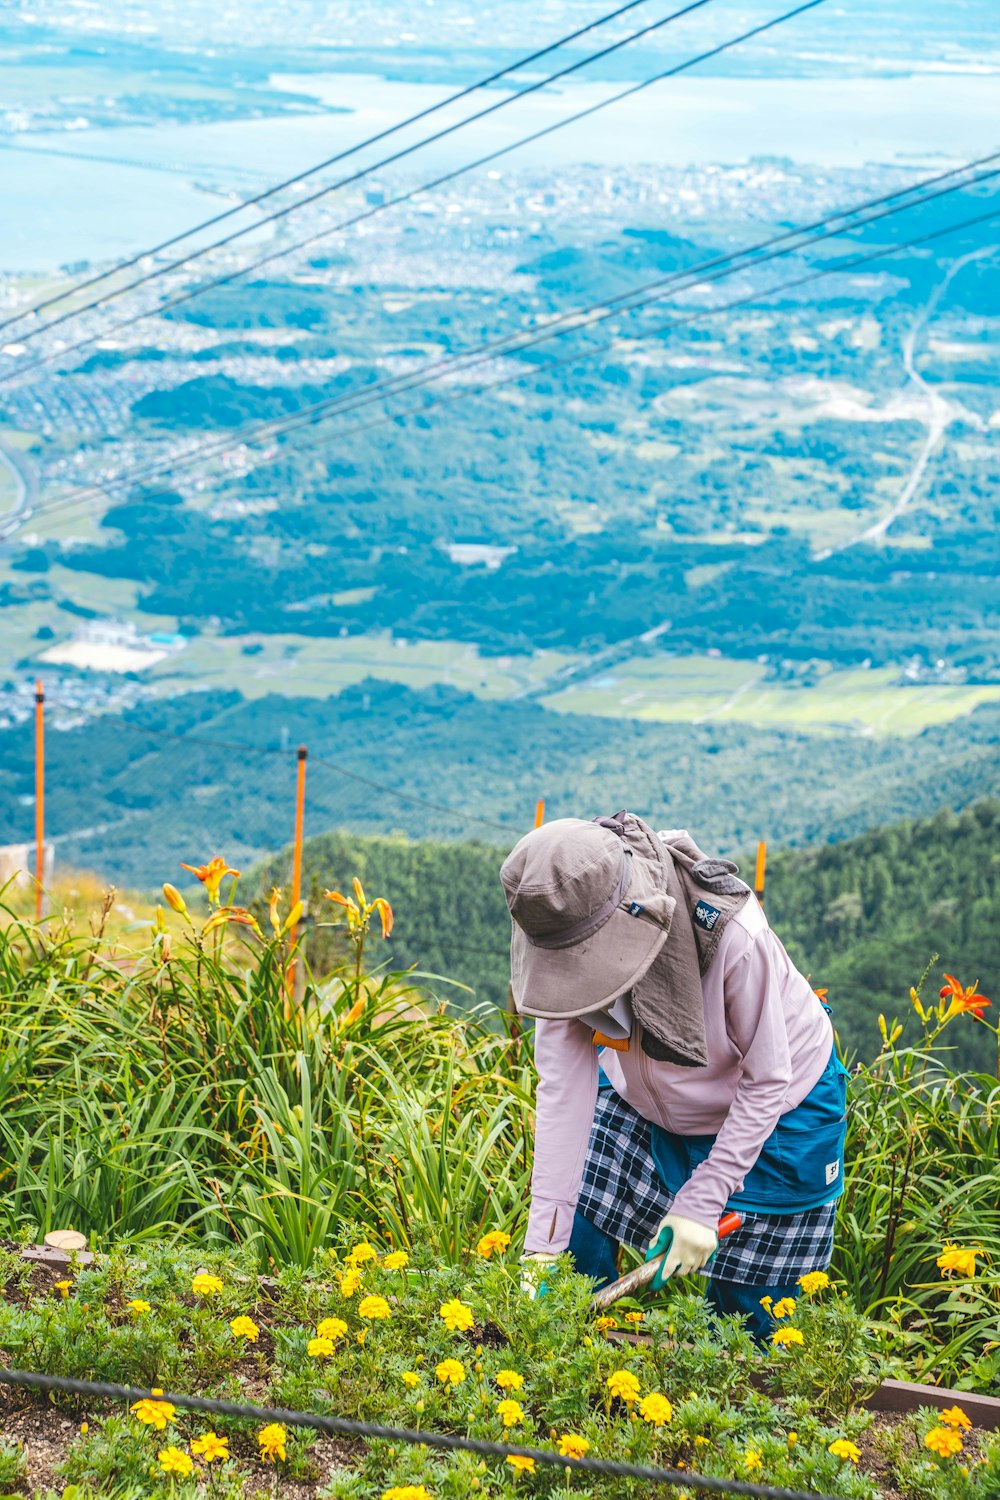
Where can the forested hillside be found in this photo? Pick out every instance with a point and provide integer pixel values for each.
(862, 917)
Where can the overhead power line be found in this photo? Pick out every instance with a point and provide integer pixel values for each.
(434, 183)
(579, 356)
(322, 166)
(395, 157)
(688, 279)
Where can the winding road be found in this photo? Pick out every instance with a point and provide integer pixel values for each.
(940, 413)
(24, 493)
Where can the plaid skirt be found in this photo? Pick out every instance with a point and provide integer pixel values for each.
(623, 1196)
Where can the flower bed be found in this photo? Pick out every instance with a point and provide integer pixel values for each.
(395, 1338)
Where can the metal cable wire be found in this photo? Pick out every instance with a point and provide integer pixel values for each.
(242, 748)
(679, 1478)
(281, 213)
(437, 182)
(331, 161)
(310, 416)
(687, 279)
(578, 356)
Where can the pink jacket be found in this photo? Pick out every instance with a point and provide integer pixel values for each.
(769, 1040)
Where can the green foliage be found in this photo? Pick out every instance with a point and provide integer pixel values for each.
(694, 1391)
(13, 1466)
(862, 915)
(193, 1094)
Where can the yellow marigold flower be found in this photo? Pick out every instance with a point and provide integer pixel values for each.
(153, 1413)
(700, 1441)
(206, 1285)
(509, 1380)
(456, 1315)
(244, 1328)
(139, 1306)
(349, 1284)
(510, 1413)
(374, 1307)
(319, 1348)
(655, 1409)
(359, 1255)
(84, 1428)
(635, 1318)
(787, 1336)
(955, 1258)
(604, 1323)
(272, 1440)
(814, 1281)
(331, 1328)
(407, 1492)
(954, 1416)
(944, 1441)
(753, 1460)
(572, 1446)
(842, 1448)
(624, 1385)
(175, 1461)
(450, 1372)
(211, 1446)
(767, 1303)
(521, 1465)
(410, 1378)
(783, 1309)
(793, 1438)
(63, 1288)
(361, 1335)
(396, 1261)
(495, 1241)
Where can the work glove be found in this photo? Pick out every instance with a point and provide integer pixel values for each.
(689, 1246)
(533, 1268)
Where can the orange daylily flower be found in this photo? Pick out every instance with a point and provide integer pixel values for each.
(340, 900)
(212, 875)
(962, 999)
(226, 914)
(384, 910)
(273, 909)
(359, 892)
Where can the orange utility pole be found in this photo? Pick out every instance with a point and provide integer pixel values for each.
(758, 880)
(39, 796)
(300, 811)
(539, 812)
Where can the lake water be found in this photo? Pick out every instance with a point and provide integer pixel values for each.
(101, 194)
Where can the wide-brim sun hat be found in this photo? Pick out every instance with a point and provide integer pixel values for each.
(589, 913)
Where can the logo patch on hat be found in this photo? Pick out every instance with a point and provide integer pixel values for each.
(635, 908)
(706, 916)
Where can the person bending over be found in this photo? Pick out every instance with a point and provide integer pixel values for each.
(685, 1066)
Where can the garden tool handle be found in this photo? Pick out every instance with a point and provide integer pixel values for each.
(626, 1286)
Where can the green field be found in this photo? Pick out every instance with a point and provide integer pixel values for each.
(699, 689)
(317, 667)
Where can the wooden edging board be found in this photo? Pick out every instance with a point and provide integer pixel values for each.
(898, 1395)
(891, 1396)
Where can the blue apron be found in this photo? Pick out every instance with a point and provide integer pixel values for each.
(801, 1164)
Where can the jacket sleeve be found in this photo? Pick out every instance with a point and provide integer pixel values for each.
(566, 1059)
(755, 1021)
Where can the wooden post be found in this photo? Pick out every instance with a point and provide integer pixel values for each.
(39, 797)
(758, 880)
(539, 812)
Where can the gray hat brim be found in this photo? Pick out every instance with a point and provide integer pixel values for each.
(567, 982)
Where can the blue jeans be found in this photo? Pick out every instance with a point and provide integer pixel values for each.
(595, 1255)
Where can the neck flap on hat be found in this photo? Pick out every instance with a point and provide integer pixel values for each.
(668, 1000)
